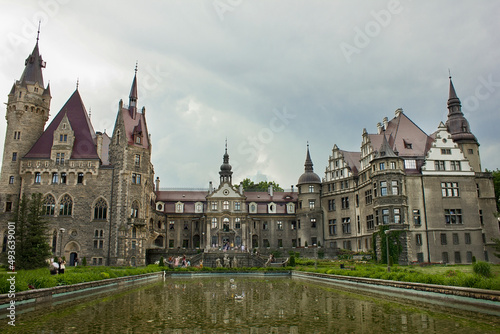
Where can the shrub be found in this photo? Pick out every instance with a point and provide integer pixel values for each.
(482, 268)
(292, 261)
(84, 261)
(161, 264)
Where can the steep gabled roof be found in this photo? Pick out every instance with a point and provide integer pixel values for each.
(353, 160)
(84, 145)
(135, 126)
(405, 137)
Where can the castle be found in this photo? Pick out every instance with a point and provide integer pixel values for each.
(103, 203)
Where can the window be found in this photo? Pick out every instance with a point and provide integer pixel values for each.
(214, 222)
(136, 178)
(455, 239)
(455, 165)
(237, 223)
(393, 165)
(65, 206)
(481, 220)
(385, 216)
(470, 151)
(397, 216)
(420, 257)
(410, 164)
(418, 239)
(381, 165)
(59, 158)
(171, 243)
(446, 151)
(266, 243)
(332, 226)
(314, 241)
(38, 177)
(443, 239)
(311, 204)
(368, 197)
(63, 138)
(134, 244)
(14, 156)
(134, 232)
(100, 209)
(237, 206)
(416, 217)
(345, 202)
(134, 210)
(457, 257)
(331, 205)
(346, 225)
(49, 205)
(11, 179)
(225, 224)
(395, 187)
(279, 225)
(8, 206)
(137, 139)
(370, 225)
(311, 189)
(293, 225)
(171, 225)
(280, 243)
(468, 256)
(55, 178)
(439, 165)
(467, 238)
(453, 216)
(313, 222)
(225, 205)
(477, 189)
(265, 226)
(137, 160)
(383, 188)
(79, 178)
(444, 257)
(347, 244)
(214, 206)
(17, 135)
(63, 178)
(407, 145)
(449, 189)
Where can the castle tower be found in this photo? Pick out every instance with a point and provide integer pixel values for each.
(27, 112)
(459, 128)
(309, 212)
(226, 175)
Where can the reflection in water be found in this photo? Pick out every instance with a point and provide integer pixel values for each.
(244, 305)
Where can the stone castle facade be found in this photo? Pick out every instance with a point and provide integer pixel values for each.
(103, 203)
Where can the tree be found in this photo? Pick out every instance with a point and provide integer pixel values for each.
(32, 248)
(496, 185)
(496, 246)
(249, 185)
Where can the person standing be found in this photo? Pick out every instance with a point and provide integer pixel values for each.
(62, 266)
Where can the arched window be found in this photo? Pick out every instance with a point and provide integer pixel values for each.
(225, 224)
(49, 205)
(100, 209)
(134, 232)
(134, 212)
(65, 206)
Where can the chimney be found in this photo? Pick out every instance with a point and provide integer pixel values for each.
(292, 188)
(99, 144)
(157, 182)
(379, 127)
(386, 120)
(210, 187)
(240, 190)
(270, 190)
(398, 111)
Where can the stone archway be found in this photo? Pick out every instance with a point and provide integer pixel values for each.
(71, 252)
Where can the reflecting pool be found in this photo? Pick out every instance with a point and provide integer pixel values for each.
(245, 305)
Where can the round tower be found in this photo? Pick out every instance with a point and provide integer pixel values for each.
(27, 112)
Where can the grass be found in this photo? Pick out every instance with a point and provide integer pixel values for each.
(454, 275)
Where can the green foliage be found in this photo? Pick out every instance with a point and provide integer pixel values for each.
(276, 254)
(162, 263)
(249, 185)
(32, 249)
(395, 247)
(291, 262)
(496, 185)
(482, 268)
(84, 261)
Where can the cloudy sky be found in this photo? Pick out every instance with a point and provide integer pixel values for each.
(269, 76)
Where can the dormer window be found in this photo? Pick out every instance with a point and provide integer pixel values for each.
(137, 139)
(63, 138)
(408, 145)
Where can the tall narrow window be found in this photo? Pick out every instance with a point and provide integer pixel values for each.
(11, 179)
(137, 160)
(38, 177)
(100, 209)
(63, 178)
(14, 156)
(65, 206)
(49, 205)
(55, 178)
(134, 210)
(80, 178)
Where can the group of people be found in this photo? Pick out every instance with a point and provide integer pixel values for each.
(178, 262)
(57, 267)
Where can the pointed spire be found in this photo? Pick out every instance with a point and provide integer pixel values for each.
(454, 104)
(457, 124)
(132, 105)
(385, 150)
(309, 176)
(33, 68)
(225, 169)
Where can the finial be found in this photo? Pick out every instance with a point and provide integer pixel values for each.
(226, 144)
(90, 112)
(136, 63)
(38, 33)
(77, 83)
(449, 73)
(308, 144)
